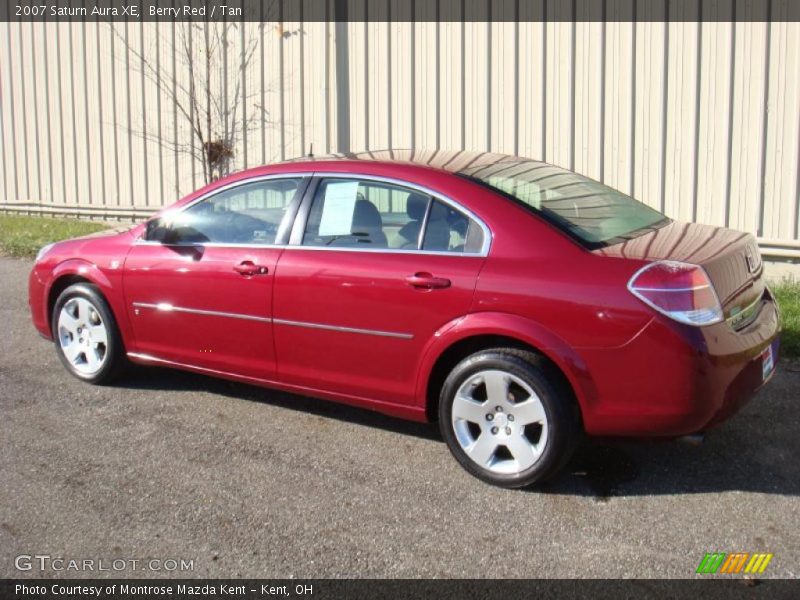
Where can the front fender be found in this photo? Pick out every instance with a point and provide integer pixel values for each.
(82, 268)
(109, 284)
(519, 328)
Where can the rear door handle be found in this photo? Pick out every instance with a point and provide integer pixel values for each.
(426, 281)
(248, 268)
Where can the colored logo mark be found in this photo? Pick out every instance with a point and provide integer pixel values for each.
(736, 562)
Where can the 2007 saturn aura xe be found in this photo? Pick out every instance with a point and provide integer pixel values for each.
(520, 304)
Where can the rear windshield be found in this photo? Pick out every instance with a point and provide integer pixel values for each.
(592, 212)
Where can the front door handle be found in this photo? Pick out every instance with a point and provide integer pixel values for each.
(426, 281)
(248, 268)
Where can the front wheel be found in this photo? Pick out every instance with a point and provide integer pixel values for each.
(86, 336)
(507, 419)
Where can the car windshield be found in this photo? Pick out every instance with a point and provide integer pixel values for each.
(592, 212)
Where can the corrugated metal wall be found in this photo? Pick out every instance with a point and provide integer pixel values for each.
(699, 119)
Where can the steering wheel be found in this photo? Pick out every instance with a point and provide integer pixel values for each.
(241, 228)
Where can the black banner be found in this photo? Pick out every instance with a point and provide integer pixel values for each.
(383, 589)
(397, 10)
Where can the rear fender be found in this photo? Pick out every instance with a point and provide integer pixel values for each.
(522, 329)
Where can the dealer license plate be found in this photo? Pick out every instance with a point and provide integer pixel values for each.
(767, 362)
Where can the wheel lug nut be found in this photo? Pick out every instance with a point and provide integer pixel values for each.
(508, 430)
(489, 417)
(498, 408)
(495, 430)
(510, 417)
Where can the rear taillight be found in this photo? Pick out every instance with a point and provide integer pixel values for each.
(681, 291)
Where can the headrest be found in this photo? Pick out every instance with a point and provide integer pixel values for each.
(416, 206)
(366, 215)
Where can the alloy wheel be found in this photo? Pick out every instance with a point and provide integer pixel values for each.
(82, 336)
(499, 422)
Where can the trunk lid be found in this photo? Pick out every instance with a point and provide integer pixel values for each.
(731, 258)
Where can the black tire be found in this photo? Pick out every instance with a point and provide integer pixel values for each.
(562, 415)
(114, 355)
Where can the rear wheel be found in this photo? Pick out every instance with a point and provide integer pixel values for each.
(86, 335)
(506, 418)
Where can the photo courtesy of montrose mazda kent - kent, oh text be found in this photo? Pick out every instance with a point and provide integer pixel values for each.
(519, 304)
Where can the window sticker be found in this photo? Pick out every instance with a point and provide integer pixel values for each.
(338, 208)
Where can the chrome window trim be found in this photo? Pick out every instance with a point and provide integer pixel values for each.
(487, 233)
(423, 228)
(166, 307)
(313, 248)
(483, 252)
(387, 251)
(241, 182)
(141, 242)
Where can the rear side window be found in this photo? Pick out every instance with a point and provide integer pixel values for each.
(449, 230)
(368, 214)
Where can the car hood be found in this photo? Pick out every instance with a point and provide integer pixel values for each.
(108, 243)
(122, 228)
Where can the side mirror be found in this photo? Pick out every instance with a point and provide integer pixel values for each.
(157, 230)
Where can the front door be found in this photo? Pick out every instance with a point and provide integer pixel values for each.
(381, 268)
(198, 288)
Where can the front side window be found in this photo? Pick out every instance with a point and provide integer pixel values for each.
(247, 214)
(371, 214)
(594, 213)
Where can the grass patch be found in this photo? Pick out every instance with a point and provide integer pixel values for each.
(22, 236)
(788, 295)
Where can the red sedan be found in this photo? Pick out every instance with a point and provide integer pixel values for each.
(520, 304)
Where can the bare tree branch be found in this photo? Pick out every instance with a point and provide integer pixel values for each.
(213, 125)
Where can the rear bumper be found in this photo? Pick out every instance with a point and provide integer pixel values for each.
(735, 359)
(679, 379)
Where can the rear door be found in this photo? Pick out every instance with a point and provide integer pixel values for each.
(198, 287)
(374, 270)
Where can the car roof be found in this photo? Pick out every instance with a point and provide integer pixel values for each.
(452, 161)
(382, 163)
